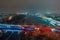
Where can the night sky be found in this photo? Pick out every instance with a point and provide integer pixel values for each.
(26, 5)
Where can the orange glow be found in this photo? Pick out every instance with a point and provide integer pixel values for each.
(10, 18)
(0, 31)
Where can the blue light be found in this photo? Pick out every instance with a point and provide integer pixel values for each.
(55, 30)
(2, 26)
(29, 29)
(58, 24)
(14, 30)
(18, 27)
(52, 23)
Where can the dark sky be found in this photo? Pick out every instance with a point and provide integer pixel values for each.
(23, 5)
